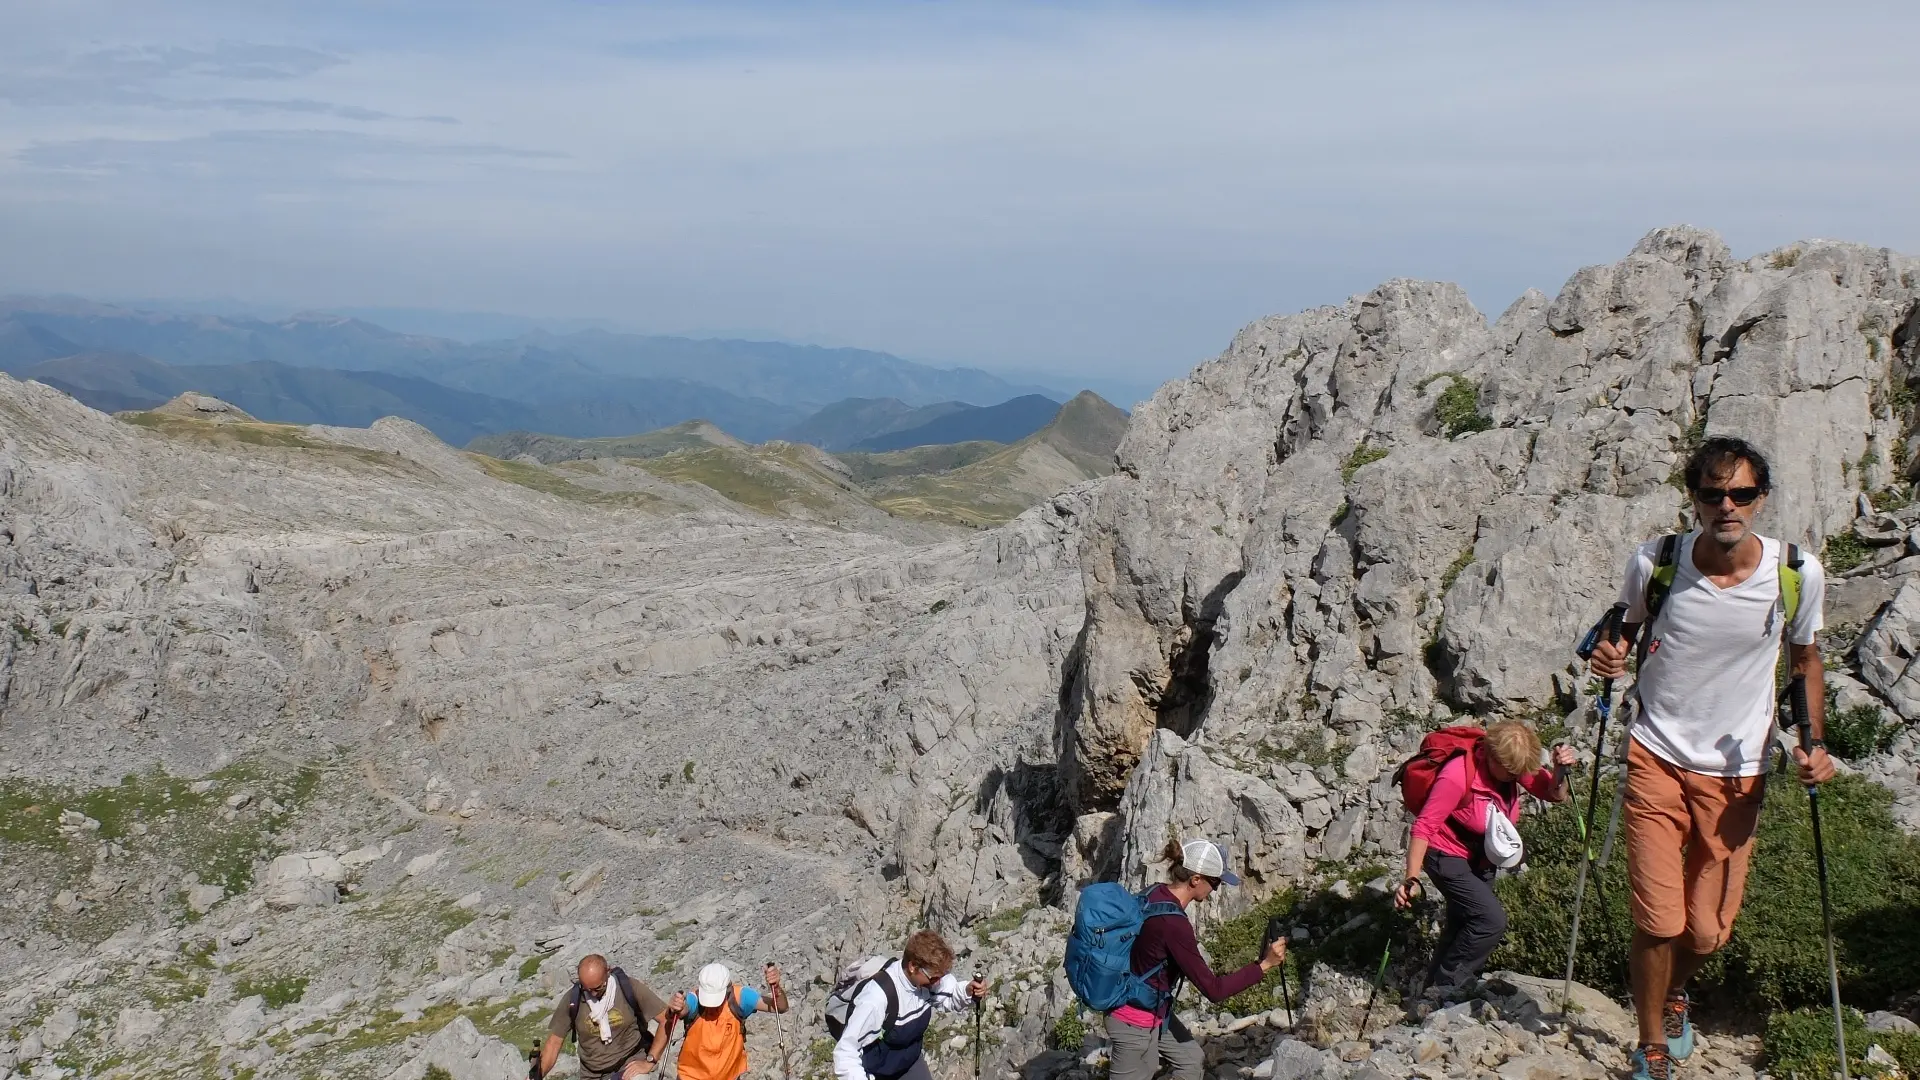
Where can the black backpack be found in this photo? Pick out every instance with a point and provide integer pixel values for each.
(619, 978)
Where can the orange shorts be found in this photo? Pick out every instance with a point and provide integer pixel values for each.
(1689, 836)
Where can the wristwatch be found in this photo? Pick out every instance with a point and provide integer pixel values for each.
(1817, 744)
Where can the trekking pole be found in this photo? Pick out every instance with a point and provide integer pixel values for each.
(979, 1010)
(1797, 702)
(1380, 977)
(1602, 707)
(780, 1020)
(1274, 930)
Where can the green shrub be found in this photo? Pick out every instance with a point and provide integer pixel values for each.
(1894, 497)
(1844, 551)
(1800, 1044)
(435, 1072)
(1777, 957)
(1458, 408)
(1070, 1031)
(1363, 455)
(1859, 731)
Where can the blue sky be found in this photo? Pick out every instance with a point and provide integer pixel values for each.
(1063, 187)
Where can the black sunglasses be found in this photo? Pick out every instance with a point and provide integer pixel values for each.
(1741, 496)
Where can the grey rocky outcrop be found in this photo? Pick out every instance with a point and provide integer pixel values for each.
(1363, 517)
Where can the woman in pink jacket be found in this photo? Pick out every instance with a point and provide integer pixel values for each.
(1449, 842)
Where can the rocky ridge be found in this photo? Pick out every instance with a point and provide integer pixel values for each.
(332, 750)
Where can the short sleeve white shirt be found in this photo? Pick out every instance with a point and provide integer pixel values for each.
(1707, 687)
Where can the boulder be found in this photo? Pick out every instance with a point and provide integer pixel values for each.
(465, 1054)
(135, 1025)
(60, 1027)
(1887, 649)
(1295, 1060)
(201, 898)
(243, 1021)
(578, 889)
(1526, 998)
(307, 879)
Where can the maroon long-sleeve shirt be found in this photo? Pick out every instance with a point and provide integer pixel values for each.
(1170, 938)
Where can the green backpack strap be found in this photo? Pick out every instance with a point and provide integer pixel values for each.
(1791, 578)
(1660, 583)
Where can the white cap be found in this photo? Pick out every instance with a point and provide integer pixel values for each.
(714, 980)
(1502, 840)
(1208, 860)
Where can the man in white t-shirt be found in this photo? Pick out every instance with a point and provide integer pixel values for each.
(1700, 738)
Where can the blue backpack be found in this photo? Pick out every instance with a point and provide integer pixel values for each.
(1100, 948)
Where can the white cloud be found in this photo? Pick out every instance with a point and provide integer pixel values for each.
(1070, 186)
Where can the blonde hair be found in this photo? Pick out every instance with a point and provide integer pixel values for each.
(1515, 746)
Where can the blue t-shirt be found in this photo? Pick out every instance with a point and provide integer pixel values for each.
(749, 1001)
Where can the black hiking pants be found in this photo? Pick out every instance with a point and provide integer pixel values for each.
(1474, 924)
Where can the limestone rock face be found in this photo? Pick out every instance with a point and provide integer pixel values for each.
(1363, 517)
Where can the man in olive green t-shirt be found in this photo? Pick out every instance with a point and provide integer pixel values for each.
(609, 1028)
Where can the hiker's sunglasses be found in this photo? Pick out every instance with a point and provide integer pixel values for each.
(1741, 496)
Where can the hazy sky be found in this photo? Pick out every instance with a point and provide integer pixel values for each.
(1070, 187)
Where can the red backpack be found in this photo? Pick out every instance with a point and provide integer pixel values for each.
(1416, 775)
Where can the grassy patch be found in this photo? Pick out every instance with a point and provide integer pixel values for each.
(159, 813)
(1312, 746)
(1800, 1044)
(529, 967)
(1362, 456)
(528, 878)
(278, 991)
(538, 478)
(737, 476)
(403, 922)
(999, 921)
(257, 433)
(1777, 957)
(917, 460)
(1895, 497)
(1784, 259)
(171, 984)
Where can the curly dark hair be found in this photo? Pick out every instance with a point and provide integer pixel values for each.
(1723, 453)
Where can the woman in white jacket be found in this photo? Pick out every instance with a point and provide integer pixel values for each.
(891, 1012)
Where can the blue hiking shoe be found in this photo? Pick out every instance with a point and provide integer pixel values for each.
(1678, 1025)
(1650, 1063)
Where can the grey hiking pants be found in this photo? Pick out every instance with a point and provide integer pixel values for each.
(1137, 1052)
(1475, 920)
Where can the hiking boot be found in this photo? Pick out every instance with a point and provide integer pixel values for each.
(1678, 1025)
(1650, 1063)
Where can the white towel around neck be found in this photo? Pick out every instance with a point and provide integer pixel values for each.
(600, 1009)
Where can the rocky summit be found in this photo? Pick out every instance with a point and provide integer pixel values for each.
(326, 752)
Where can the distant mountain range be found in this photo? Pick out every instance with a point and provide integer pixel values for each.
(323, 368)
(973, 483)
(1009, 421)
